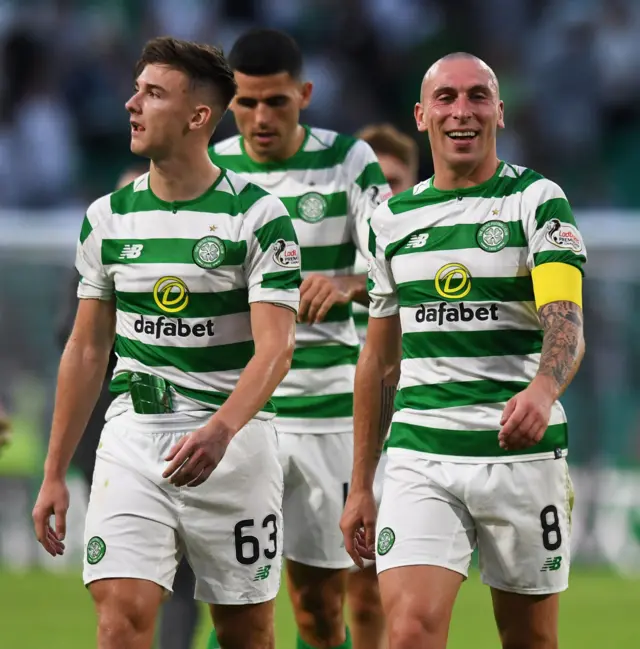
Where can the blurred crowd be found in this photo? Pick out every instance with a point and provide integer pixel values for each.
(569, 72)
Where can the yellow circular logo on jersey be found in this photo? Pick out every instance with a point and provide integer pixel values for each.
(453, 281)
(171, 294)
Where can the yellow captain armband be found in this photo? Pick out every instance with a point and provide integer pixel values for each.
(556, 282)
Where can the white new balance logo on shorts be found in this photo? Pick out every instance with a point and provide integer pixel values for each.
(131, 250)
(418, 240)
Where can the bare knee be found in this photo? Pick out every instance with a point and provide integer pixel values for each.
(318, 600)
(410, 631)
(126, 612)
(244, 627)
(364, 597)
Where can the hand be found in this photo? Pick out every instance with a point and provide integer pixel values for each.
(53, 500)
(358, 525)
(526, 415)
(318, 294)
(197, 454)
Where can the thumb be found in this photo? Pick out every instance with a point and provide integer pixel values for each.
(176, 448)
(508, 410)
(60, 514)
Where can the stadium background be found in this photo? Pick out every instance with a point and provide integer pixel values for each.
(570, 78)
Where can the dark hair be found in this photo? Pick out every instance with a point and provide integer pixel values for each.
(386, 139)
(203, 64)
(260, 52)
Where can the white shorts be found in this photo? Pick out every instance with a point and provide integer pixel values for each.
(230, 528)
(317, 474)
(519, 515)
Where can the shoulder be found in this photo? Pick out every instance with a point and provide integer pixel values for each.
(338, 144)
(230, 146)
(251, 199)
(534, 188)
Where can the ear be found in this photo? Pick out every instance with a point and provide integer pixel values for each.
(201, 118)
(500, 114)
(306, 89)
(418, 113)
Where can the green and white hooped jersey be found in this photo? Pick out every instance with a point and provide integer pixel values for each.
(183, 275)
(456, 266)
(330, 188)
(360, 312)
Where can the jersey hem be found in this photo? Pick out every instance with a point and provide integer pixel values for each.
(460, 459)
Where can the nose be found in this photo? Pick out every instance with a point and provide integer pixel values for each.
(262, 114)
(462, 107)
(133, 105)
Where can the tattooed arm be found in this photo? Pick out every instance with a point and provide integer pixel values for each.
(526, 416)
(377, 375)
(563, 345)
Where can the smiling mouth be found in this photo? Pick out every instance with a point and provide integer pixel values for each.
(462, 136)
(137, 128)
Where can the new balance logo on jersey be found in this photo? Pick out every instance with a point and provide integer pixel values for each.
(418, 240)
(552, 564)
(262, 573)
(131, 250)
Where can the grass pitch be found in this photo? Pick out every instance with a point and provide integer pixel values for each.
(600, 610)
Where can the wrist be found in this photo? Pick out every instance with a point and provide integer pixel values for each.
(221, 425)
(548, 385)
(54, 472)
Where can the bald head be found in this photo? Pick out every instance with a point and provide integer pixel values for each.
(433, 72)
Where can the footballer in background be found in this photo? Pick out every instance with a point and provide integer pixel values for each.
(331, 184)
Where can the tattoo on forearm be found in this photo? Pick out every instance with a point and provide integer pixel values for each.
(562, 345)
(387, 398)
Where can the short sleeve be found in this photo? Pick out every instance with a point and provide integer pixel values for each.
(551, 229)
(94, 283)
(272, 266)
(380, 283)
(368, 188)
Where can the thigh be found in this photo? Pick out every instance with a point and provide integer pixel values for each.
(418, 603)
(420, 521)
(231, 526)
(317, 477)
(130, 528)
(523, 518)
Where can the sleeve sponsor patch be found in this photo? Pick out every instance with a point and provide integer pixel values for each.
(563, 235)
(286, 254)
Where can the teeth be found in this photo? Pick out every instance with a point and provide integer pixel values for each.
(461, 134)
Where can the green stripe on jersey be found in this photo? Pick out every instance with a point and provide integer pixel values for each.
(560, 257)
(278, 228)
(218, 358)
(323, 356)
(199, 305)
(361, 319)
(332, 156)
(457, 393)
(166, 251)
(126, 200)
(470, 344)
(86, 229)
(371, 175)
(319, 258)
(284, 280)
(554, 208)
(468, 443)
(455, 237)
(337, 204)
(496, 187)
(315, 407)
(483, 289)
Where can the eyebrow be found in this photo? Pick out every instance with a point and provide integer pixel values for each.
(151, 86)
(450, 90)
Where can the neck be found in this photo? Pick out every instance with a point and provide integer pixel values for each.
(447, 177)
(182, 177)
(289, 150)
